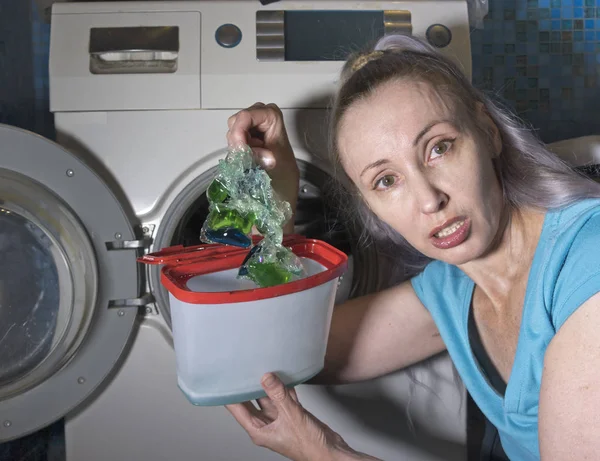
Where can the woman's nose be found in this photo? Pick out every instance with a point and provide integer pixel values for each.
(429, 198)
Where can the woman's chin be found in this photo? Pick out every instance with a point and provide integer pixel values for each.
(458, 255)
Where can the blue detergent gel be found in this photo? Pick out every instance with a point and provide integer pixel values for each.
(230, 236)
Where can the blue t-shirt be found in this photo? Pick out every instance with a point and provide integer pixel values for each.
(564, 274)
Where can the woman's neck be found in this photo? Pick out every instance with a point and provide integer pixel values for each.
(511, 256)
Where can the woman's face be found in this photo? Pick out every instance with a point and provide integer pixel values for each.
(420, 173)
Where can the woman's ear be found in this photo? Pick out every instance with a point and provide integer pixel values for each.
(491, 130)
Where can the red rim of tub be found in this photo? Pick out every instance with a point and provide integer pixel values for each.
(182, 264)
(179, 254)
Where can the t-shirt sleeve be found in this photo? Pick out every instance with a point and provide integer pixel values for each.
(440, 287)
(426, 283)
(417, 283)
(579, 276)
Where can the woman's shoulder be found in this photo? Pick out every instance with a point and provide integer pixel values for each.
(572, 229)
(576, 214)
(441, 283)
(441, 272)
(571, 257)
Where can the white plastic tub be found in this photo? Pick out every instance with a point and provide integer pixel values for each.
(228, 333)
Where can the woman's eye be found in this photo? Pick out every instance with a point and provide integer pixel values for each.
(440, 149)
(385, 182)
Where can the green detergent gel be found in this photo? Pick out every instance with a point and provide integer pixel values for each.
(240, 197)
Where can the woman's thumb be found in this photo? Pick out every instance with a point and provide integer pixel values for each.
(276, 390)
(264, 157)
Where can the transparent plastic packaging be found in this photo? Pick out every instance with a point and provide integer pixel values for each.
(241, 197)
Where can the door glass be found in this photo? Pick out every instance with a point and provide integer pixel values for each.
(29, 296)
(48, 283)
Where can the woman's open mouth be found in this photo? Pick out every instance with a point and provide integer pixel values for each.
(450, 234)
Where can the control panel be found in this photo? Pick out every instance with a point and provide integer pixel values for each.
(210, 54)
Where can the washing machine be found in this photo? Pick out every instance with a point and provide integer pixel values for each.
(141, 93)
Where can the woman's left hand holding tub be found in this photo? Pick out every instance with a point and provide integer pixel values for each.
(281, 424)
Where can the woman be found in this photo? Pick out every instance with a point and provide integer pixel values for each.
(509, 237)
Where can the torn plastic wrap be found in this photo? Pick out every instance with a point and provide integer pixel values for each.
(269, 264)
(240, 197)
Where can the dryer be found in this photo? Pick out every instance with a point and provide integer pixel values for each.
(141, 93)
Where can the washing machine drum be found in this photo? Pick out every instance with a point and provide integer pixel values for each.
(65, 263)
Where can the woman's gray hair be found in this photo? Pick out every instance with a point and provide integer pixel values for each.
(529, 174)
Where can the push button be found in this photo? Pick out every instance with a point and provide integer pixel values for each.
(439, 35)
(228, 35)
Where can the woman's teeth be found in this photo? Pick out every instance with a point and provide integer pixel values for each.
(445, 232)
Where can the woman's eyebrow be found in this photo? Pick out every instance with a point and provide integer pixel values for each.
(425, 130)
(375, 164)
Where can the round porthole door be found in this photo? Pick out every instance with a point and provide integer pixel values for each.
(69, 282)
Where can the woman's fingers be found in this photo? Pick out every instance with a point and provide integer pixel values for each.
(248, 416)
(240, 125)
(231, 119)
(294, 396)
(256, 142)
(262, 127)
(277, 392)
(264, 157)
(292, 432)
(268, 408)
(276, 389)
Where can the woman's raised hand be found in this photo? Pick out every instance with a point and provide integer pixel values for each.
(261, 126)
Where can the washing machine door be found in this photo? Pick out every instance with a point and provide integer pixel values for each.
(67, 262)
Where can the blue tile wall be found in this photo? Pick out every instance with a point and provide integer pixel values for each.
(40, 33)
(24, 40)
(16, 70)
(542, 57)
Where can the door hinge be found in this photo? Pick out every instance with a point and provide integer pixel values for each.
(142, 301)
(129, 244)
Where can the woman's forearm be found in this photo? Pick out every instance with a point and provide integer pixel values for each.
(347, 454)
